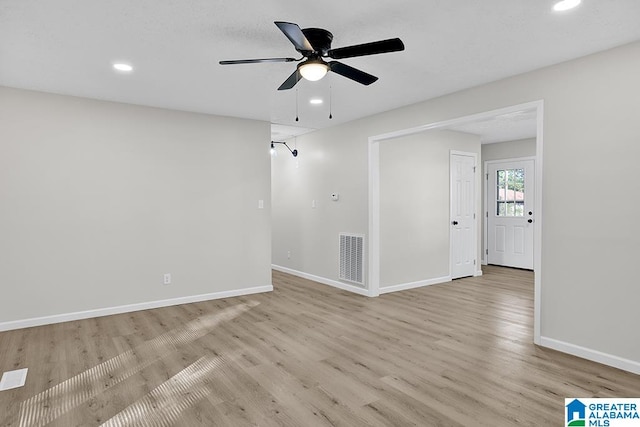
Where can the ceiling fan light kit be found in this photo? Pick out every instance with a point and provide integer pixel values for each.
(313, 69)
(314, 44)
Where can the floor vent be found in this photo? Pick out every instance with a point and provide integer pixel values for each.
(352, 258)
(13, 379)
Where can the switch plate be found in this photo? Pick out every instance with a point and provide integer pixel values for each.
(260, 204)
(314, 204)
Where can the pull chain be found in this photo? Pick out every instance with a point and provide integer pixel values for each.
(330, 103)
(297, 119)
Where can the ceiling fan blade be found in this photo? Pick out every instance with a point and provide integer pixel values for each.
(291, 81)
(352, 73)
(256, 61)
(295, 35)
(373, 48)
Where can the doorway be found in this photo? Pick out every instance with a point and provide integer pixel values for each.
(457, 124)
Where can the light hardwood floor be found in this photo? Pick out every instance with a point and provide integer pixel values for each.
(456, 354)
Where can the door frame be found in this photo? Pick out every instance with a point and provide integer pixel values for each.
(485, 206)
(476, 199)
(373, 259)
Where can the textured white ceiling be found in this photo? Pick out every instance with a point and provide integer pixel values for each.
(284, 132)
(67, 46)
(502, 128)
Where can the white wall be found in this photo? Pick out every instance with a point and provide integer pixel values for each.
(590, 245)
(414, 205)
(325, 165)
(99, 199)
(501, 151)
(509, 150)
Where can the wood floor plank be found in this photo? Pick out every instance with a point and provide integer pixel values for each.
(306, 354)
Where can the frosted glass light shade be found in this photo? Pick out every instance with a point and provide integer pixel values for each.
(313, 70)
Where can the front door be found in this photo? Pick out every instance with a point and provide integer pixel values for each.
(463, 216)
(510, 224)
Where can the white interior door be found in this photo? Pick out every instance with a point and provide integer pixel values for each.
(511, 219)
(463, 217)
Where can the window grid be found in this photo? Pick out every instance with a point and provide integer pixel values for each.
(510, 193)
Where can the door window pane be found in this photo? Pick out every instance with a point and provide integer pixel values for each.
(510, 209)
(501, 209)
(501, 180)
(510, 192)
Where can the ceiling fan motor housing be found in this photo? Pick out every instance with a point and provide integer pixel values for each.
(320, 40)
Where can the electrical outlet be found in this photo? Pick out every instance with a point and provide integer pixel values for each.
(288, 254)
(167, 278)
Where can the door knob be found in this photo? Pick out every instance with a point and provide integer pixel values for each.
(529, 221)
(455, 223)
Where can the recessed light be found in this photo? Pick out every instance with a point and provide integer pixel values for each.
(120, 66)
(315, 101)
(563, 5)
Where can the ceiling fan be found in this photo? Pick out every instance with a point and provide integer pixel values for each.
(315, 44)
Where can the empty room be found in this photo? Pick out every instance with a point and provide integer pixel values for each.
(297, 214)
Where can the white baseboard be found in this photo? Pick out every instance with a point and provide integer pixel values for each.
(593, 355)
(67, 317)
(413, 285)
(323, 280)
(478, 273)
